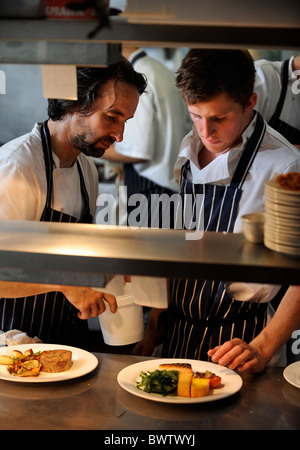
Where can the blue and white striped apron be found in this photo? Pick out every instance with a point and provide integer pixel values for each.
(202, 314)
(49, 316)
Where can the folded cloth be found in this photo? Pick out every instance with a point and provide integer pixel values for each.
(150, 291)
(114, 285)
(16, 337)
(147, 291)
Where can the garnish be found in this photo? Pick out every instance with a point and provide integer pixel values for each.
(163, 382)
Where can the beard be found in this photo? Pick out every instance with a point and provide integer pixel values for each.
(88, 148)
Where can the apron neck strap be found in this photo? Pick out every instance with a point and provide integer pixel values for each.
(249, 152)
(47, 150)
(284, 83)
(140, 55)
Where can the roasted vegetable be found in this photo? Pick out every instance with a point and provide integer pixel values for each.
(22, 365)
(16, 354)
(27, 368)
(6, 360)
(214, 380)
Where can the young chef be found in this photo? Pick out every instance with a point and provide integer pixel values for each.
(228, 156)
(48, 175)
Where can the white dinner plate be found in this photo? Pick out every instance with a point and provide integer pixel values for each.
(276, 210)
(282, 238)
(83, 363)
(289, 250)
(281, 230)
(292, 374)
(231, 382)
(272, 185)
(282, 200)
(285, 222)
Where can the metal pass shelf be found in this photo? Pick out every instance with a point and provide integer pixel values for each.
(78, 254)
(154, 34)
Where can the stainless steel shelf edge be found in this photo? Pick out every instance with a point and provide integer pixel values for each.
(159, 35)
(48, 52)
(79, 254)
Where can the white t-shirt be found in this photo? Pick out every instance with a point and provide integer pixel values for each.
(159, 124)
(23, 186)
(268, 88)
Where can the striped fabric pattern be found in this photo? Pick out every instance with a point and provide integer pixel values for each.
(202, 314)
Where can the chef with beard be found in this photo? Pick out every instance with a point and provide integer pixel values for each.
(49, 175)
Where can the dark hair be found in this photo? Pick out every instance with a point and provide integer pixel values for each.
(204, 74)
(89, 83)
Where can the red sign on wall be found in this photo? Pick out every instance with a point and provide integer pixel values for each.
(56, 9)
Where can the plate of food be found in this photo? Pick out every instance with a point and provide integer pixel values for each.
(42, 363)
(176, 380)
(292, 374)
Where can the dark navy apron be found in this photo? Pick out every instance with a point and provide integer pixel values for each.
(202, 314)
(50, 316)
(290, 133)
(137, 184)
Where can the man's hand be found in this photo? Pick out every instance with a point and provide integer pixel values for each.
(237, 354)
(89, 302)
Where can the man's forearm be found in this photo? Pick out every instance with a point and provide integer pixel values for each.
(11, 289)
(280, 328)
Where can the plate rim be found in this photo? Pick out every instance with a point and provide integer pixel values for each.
(90, 365)
(177, 400)
(286, 373)
(272, 184)
(282, 248)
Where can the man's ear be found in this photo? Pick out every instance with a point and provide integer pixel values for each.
(252, 102)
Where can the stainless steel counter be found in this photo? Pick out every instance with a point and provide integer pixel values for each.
(96, 402)
(77, 255)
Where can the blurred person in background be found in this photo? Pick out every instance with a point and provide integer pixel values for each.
(278, 95)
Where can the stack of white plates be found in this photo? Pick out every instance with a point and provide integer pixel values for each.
(282, 219)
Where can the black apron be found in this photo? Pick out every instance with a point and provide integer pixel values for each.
(50, 316)
(290, 133)
(202, 314)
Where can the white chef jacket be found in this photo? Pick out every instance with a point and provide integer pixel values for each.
(159, 124)
(268, 88)
(23, 186)
(275, 156)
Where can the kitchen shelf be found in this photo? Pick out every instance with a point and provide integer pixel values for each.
(79, 254)
(158, 34)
